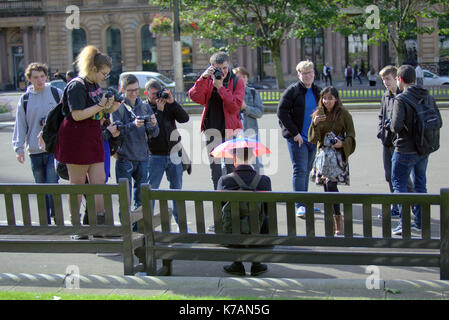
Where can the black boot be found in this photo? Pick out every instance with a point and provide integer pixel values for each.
(236, 268)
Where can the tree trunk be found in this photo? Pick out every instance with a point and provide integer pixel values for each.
(276, 54)
(400, 55)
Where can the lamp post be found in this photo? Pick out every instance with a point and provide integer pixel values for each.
(177, 47)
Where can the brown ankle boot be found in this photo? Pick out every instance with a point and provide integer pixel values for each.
(338, 225)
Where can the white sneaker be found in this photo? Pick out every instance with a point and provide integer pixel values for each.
(301, 212)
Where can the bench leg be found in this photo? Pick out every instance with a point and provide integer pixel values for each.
(166, 269)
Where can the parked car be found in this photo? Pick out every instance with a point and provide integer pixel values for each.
(144, 76)
(60, 84)
(431, 79)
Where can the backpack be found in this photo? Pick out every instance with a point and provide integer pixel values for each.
(244, 208)
(427, 124)
(26, 97)
(54, 120)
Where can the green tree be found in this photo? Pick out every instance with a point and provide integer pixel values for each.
(258, 23)
(398, 20)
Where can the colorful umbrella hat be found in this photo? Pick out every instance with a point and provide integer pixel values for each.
(225, 150)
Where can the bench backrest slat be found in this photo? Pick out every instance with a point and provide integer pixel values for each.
(59, 215)
(348, 218)
(291, 219)
(41, 207)
(218, 224)
(272, 218)
(199, 217)
(182, 217)
(91, 210)
(10, 214)
(235, 217)
(328, 219)
(406, 226)
(108, 209)
(74, 210)
(425, 221)
(25, 206)
(165, 221)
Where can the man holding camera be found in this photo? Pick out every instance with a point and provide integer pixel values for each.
(166, 147)
(136, 120)
(221, 94)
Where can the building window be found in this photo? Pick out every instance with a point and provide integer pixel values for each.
(149, 49)
(78, 42)
(187, 63)
(358, 53)
(313, 49)
(114, 50)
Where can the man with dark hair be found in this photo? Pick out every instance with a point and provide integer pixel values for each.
(166, 147)
(137, 121)
(221, 94)
(389, 75)
(406, 157)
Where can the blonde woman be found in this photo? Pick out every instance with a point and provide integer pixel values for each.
(79, 142)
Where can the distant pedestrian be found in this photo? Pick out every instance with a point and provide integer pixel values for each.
(32, 111)
(348, 75)
(419, 75)
(327, 73)
(372, 77)
(357, 73)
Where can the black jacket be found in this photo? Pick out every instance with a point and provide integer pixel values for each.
(403, 119)
(386, 110)
(161, 145)
(292, 106)
(247, 173)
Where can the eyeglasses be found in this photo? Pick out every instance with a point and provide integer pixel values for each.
(105, 75)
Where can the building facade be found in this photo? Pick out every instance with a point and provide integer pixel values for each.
(54, 32)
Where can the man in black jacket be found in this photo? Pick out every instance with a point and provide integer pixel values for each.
(294, 111)
(243, 158)
(386, 136)
(166, 147)
(406, 157)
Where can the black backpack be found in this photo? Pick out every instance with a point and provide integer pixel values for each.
(427, 124)
(244, 208)
(54, 120)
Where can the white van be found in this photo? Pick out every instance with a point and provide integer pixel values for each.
(144, 76)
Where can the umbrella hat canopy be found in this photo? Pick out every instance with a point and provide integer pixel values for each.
(226, 149)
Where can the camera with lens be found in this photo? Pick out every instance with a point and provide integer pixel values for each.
(113, 93)
(119, 125)
(387, 124)
(145, 118)
(335, 140)
(218, 74)
(161, 94)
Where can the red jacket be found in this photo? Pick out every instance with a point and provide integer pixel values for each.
(232, 101)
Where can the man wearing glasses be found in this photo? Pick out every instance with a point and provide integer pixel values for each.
(136, 121)
(294, 111)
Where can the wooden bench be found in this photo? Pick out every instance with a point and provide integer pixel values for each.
(367, 239)
(21, 234)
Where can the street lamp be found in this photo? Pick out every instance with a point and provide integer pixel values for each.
(177, 47)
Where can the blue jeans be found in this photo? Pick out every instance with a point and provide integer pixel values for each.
(302, 159)
(133, 170)
(160, 164)
(402, 165)
(43, 167)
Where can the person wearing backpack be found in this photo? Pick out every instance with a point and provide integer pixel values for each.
(32, 110)
(79, 141)
(416, 121)
(221, 94)
(245, 177)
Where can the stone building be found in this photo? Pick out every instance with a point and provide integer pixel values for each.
(54, 31)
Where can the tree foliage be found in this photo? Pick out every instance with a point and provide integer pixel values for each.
(257, 23)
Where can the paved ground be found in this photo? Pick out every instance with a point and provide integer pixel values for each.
(306, 280)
